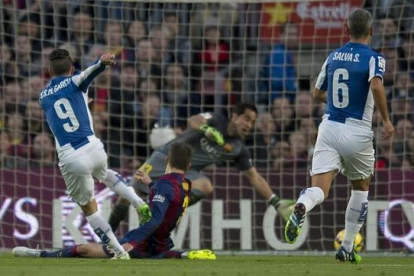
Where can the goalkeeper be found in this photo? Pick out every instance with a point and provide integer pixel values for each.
(214, 139)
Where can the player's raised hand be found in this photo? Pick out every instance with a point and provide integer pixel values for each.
(108, 59)
(142, 177)
(388, 130)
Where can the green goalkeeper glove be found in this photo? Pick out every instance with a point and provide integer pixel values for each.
(283, 207)
(213, 134)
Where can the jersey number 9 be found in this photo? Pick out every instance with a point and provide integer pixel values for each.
(66, 113)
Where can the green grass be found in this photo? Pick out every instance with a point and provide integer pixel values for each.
(224, 265)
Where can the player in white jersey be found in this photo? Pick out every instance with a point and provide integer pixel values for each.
(350, 82)
(81, 154)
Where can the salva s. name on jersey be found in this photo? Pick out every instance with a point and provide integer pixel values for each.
(52, 90)
(346, 57)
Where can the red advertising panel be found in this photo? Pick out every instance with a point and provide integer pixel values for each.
(30, 217)
(319, 22)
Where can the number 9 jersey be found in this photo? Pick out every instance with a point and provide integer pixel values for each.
(65, 103)
(346, 76)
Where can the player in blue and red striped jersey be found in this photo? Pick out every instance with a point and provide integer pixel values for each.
(168, 200)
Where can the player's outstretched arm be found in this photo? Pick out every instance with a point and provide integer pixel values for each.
(84, 79)
(258, 183)
(283, 207)
(378, 92)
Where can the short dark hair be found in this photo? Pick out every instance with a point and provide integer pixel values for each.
(359, 23)
(179, 155)
(240, 108)
(60, 62)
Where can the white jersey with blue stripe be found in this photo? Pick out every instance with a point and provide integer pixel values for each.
(65, 104)
(346, 76)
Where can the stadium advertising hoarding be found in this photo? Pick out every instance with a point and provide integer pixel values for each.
(41, 214)
(319, 21)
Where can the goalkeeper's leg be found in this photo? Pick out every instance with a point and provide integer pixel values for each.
(119, 213)
(200, 188)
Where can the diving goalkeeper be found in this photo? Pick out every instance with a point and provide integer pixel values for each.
(215, 139)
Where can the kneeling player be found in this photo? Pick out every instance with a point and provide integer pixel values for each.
(169, 197)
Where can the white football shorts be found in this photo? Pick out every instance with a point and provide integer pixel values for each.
(346, 148)
(86, 163)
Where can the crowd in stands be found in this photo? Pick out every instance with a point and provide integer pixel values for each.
(173, 66)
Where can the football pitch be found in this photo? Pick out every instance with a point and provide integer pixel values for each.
(224, 265)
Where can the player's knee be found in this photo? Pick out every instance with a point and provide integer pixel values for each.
(361, 185)
(209, 189)
(207, 186)
(89, 208)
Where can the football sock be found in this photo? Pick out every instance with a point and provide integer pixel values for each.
(310, 197)
(104, 232)
(196, 196)
(355, 215)
(118, 214)
(68, 252)
(116, 183)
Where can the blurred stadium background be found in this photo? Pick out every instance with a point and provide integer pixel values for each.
(176, 59)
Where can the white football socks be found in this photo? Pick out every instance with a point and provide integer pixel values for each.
(116, 183)
(355, 215)
(311, 197)
(104, 232)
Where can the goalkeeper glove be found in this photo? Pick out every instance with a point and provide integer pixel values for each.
(213, 134)
(283, 207)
